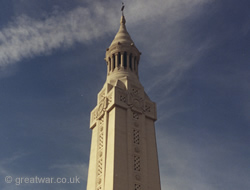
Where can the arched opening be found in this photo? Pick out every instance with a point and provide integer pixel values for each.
(135, 65)
(130, 62)
(125, 59)
(113, 62)
(119, 59)
(109, 65)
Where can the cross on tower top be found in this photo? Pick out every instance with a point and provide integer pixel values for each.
(123, 6)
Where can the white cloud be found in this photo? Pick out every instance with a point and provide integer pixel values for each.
(5, 162)
(72, 170)
(179, 168)
(26, 37)
(6, 170)
(166, 38)
(201, 162)
(174, 9)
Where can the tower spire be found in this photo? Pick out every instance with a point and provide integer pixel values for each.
(123, 20)
(122, 56)
(123, 152)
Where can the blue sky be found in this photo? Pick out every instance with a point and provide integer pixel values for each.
(195, 65)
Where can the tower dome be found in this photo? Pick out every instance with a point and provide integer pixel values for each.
(122, 56)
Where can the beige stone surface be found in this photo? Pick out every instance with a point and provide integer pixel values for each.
(123, 153)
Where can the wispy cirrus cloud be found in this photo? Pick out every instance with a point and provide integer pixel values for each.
(26, 37)
(169, 41)
(5, 162)
(6, 170)
(72, 170)
(206, 165)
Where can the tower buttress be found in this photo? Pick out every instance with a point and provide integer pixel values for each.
(123, 151)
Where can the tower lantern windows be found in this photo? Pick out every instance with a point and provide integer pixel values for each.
(130, 62)
(119, 60)
(109, 65)
(112, 62)
(135, 64)
(125, 59)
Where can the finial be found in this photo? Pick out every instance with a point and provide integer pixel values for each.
(123, 6)
(123, 21)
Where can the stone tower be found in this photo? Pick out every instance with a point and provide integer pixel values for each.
(123, 153)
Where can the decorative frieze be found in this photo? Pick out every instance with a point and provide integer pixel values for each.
(137, 187)
(132, 98)
(138, 177)
(150, 109)
(109, 97)
(136, 136)
(101, 108)
(147, 108)
(99, 169)
(136, 99)
(137, 163)
(101, 95)
(100, 154)
(135, 116)
(123, 98)
(104, 101)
